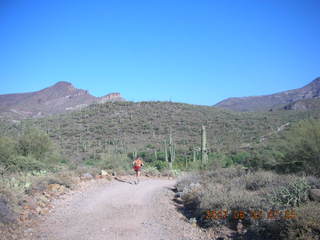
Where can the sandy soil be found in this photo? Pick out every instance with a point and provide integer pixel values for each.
(118, 210)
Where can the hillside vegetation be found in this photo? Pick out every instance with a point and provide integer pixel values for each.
(125, 127)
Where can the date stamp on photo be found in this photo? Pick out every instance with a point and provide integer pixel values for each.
(253, 214)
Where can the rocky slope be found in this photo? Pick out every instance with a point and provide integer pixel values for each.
(268, 102)
(59, 98)
(304, 104)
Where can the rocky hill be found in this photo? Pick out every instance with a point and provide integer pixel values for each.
(59, 98)
(273, 101)
(143, 126)
(303, 105)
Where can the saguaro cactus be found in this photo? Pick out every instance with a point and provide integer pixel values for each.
(155, 155)
(204, 155)
(166, 151)
(134, 154)
(194, 155)
(171, 150)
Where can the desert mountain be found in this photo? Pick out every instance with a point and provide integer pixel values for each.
(273, 101)
(59, 98)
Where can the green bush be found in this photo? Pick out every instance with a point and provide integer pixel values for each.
(160, 165)
(301, 148)
(26, 163)
(7, 153)
(34, 143)
(293, 194)
(115, 161)
(33, 150)
(151, 171)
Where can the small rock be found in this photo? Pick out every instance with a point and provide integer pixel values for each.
(28, 230)
(86, 176)
(44, 211)
(54, 187)
(24, 217)
(104, 173)
(193, 221)
(38, 210)
(314, 194)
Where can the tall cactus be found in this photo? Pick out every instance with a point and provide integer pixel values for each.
(171, 150)
(194, 153)
(166, 151)
(204, 154)
(155, 155)
(134, 154)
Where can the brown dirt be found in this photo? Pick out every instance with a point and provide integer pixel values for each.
(117, 210)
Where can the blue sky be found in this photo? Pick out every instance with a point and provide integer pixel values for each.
(190, 51)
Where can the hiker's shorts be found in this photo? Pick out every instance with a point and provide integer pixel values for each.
(137, 168)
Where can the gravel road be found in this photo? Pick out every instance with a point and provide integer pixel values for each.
(118, 210)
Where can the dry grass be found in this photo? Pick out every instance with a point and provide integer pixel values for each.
(234, 190)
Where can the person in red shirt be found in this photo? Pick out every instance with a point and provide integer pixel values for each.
(137, 165)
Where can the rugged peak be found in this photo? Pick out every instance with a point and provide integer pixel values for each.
(111, 97)
(58, 98)
(63, 84)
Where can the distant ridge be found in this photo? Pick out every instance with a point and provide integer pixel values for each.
(273, 101)
(59, 98)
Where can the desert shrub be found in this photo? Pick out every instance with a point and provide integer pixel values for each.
(32, 151)
(256, 181)
(225, 175)
(234, 190)
(66, 179)
(34, 143)
(115, 161)
(301, 148)
(293, 194)
(238, 158)
(160, 165)
(81, 170)
(230, 198)
(313, 181)
(151, 171)
(170, 173)
(7, 152)
(25, 163)
(305, 226)
(187, 179)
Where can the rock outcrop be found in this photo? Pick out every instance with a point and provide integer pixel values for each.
(59, 98)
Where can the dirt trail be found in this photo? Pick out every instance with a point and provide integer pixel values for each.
(118, 211)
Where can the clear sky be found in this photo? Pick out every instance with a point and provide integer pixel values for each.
(191, 51)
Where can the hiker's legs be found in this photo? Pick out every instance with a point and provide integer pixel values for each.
(137, 176)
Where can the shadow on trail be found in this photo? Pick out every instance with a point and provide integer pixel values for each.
(186, 210)
(124, 181)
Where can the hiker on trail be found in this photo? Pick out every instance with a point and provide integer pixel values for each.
(137, 165)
